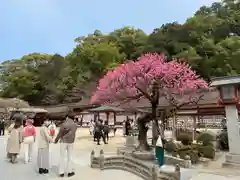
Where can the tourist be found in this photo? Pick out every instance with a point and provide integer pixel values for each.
(2, 127)
(224, 124)
(15, 139)
(52, 128)
(106, 131)
(94, 131)
(127, 127)
(91, 127)
(43, 148)
(99, 132)
(159, 151)
(66, 135)
(114, 129)
(29, 139)
(9, 131)
(131, 127)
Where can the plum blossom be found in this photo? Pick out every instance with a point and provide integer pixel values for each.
(133, 80)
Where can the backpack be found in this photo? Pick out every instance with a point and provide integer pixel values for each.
(52, 131)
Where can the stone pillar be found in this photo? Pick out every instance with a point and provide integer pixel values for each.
(92, 158)
(178, 172)
(101, 159)
(154, 173)
(187, 162)
(233, 157)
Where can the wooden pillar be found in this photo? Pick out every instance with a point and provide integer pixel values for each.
(135, 115)
(107, 116)
(81, 120)
(198, 116)
(115, 118)
(96, 116)
(194, 129)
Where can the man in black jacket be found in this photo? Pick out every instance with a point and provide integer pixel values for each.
(128, 127)
(106, 131)
(99, 131)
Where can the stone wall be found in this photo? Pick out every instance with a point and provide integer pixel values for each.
(135, 166)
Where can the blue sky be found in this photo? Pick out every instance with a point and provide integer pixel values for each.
(50, 26)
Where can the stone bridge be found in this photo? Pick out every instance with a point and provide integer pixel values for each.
(134, 166)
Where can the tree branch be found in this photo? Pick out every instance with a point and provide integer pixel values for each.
(191, 102)
(128, 99)
(145, 94)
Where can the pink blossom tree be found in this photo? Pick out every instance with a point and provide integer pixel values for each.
(150, 77)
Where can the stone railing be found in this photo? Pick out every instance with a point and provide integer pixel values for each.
(169, 160)
(185, 163)
(135, 166)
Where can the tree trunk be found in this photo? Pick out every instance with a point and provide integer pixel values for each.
(142, 136)
(155, 126)
(174, 128)
(163, 123)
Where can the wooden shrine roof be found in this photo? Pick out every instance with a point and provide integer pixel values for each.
(106, 109)
(209, 100)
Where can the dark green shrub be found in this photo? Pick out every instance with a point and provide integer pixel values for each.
(194, 155)
(171, 146)
(183, 151)
(183, 154)
(174, 153)
(206, 138)
(185, 138)
(190, 151)
(222, 140)
(197, 134)
(207, 151)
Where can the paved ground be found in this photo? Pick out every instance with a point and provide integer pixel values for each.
(202, 176)
(83, 146)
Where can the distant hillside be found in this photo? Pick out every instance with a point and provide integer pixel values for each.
(209, 42)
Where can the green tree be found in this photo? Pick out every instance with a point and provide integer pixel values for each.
(130, 41)
(208, 41)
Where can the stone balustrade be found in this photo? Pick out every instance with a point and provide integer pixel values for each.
(185, 163)
(169, 160)
(135, 166)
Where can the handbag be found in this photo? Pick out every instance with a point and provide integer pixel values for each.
(159, 142)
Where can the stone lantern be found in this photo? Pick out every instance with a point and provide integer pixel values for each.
(228, 88)
(16, 102)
